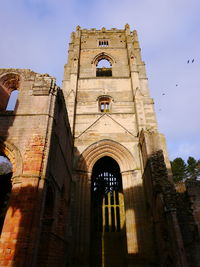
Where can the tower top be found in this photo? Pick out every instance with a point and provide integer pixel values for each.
(104, 30)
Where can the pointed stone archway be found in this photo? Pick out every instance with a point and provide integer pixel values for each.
(131, 178)
(108, 233)
(14, 155)
(108, 148)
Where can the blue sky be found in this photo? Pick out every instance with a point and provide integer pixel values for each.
(35, 35)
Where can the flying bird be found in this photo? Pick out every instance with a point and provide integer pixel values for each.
(188, 61)
(176, 84)
(163, 93)
(193, 60)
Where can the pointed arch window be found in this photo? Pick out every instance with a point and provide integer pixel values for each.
(107, 196)
(108, 220)
(9, 83)
(103, 68)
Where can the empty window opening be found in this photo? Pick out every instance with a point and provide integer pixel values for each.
(12, 100)
(103, 43)
(103, 68)
(9, 84)
(5, 187)
(104, 104)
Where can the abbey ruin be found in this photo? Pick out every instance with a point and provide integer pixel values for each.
(91, 183)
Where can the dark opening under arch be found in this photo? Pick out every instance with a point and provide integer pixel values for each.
(108, 223)
(5, 187)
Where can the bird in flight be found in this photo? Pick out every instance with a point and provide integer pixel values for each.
(191, 61)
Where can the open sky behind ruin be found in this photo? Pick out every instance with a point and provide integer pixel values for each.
(35, 35)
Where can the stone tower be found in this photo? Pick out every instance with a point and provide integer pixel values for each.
(115, 133)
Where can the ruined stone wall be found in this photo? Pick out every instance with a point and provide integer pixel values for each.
(188, 205)
(161, 203)
(26, 139)
(55, 232)
(48, 221)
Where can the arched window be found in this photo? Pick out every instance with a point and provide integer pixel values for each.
(103, 68)
(108, 231)
(104, 103)
(9, 84)
(106, 191)
(5, 187)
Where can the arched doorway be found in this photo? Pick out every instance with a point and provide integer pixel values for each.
(108, 238)
(5, 187)
(83, 251)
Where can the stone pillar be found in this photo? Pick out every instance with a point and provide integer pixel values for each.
(161, 199)
(18, 239)
(139, 239)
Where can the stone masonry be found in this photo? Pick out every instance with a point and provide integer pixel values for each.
(31, 136)
(57, 139)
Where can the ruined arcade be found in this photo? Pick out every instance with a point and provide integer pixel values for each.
(91, 179)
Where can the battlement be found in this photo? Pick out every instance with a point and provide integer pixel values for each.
(104, 33)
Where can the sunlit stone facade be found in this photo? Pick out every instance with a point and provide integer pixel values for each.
(91, 183)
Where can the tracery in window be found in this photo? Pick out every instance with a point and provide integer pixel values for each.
(104, 103)
(107, 196)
